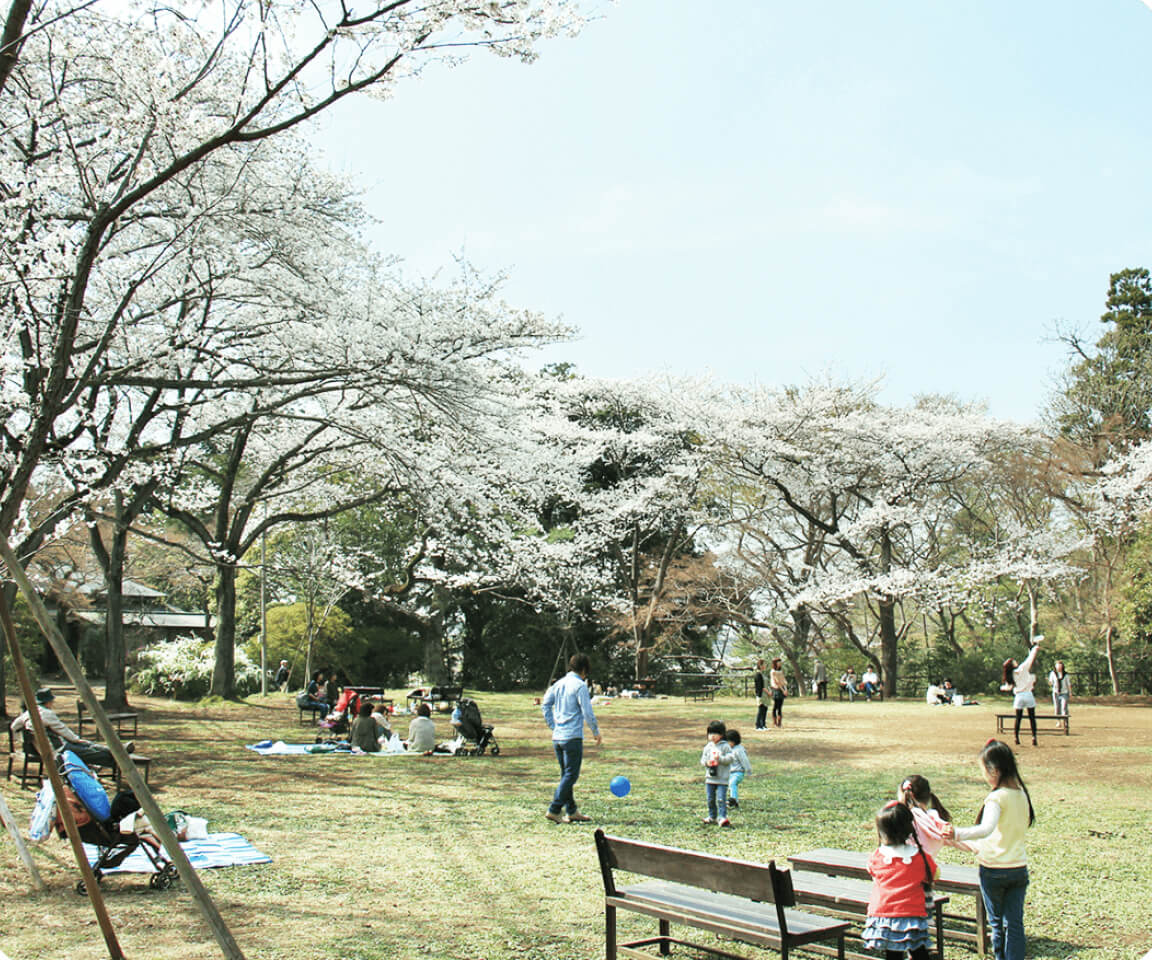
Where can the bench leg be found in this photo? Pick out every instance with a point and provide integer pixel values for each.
(665, 934)
(610, 933)
(981, 926)
(939, 932)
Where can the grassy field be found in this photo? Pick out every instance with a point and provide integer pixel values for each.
(451, 857)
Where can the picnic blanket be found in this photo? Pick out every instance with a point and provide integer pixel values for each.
(278, 748)
(215, 850)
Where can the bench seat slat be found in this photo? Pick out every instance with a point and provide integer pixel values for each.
(754, 918)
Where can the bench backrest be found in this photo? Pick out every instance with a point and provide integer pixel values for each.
(741, 878)
(446, 693)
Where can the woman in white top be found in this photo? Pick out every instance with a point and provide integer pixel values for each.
(1004, 819)
(1019, 678)
(1061, 689)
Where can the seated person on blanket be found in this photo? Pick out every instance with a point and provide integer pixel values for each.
(383, 723)
(422, 731)
(61, 735)
(364, 733)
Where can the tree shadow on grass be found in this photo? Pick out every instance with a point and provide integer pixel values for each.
(1046, 947)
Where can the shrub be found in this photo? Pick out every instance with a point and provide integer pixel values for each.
(182, 669)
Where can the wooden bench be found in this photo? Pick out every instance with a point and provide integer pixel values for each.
(750, 902)
(126, 723)
(315, 713)
(878, 694)
(140, 761)
(31, 766)
(702, 692)
(849, 896)
(952, 879)
(1003, 719)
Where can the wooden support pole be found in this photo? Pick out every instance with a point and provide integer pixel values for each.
(21, 846)
(207, 907)
(44, 747)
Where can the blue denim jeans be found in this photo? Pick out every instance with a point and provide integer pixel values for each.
(717, 800)
(734, 784)
(1003, 892)
(570, 753)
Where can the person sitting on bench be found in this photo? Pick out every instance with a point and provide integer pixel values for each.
(312, 699)
(60, 734)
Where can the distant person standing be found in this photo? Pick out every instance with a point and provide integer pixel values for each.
(761, 703)
(567, 707)
(820, 678)
(283, 675)
(779, 684)
(1061, 689)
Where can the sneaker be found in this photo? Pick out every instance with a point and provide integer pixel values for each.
(556, 817)
(130, 746)
(578, 817)
(725, 822)
(708, 820)
(733, 805)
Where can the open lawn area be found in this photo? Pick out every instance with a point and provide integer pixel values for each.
(395, 857)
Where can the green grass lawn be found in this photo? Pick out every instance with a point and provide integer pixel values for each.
(452, 857)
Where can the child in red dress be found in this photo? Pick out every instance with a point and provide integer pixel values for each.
(901, 873)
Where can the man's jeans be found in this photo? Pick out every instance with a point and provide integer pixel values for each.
(1003, 892)
(570, 753)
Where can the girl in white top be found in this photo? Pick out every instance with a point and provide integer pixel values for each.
(1004, 819)
(1020, 679)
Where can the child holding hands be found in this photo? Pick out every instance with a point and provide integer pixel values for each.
(1005, 817)
(717, 761)
(902, 874)
(741, 766)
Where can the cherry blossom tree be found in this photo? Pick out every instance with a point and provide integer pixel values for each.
(847, 501)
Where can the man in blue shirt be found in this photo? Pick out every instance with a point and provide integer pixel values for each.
(567, 707)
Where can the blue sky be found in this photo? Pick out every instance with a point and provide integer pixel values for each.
(770, 191)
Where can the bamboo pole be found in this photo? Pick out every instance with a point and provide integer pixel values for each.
(48, 754)
(207, 907)
(21, 846)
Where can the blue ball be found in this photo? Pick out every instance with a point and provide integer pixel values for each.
(620, 786)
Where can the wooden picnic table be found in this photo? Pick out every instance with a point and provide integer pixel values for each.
(952, 879)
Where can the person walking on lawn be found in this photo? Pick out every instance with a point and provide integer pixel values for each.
(567, 707)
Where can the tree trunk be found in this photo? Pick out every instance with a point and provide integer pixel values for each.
(474, 653)
(9, 589)
(801, 628)
(1109, 635)
(115, 649)
(224, 671)
(889, 654)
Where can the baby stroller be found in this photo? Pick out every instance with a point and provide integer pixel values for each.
(476, 733)
(98, 820)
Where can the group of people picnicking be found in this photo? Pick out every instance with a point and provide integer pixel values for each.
(366, 722)
(911, 829)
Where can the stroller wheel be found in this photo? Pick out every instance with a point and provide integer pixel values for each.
(165, 878)
(495, 750)
(81, 887)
